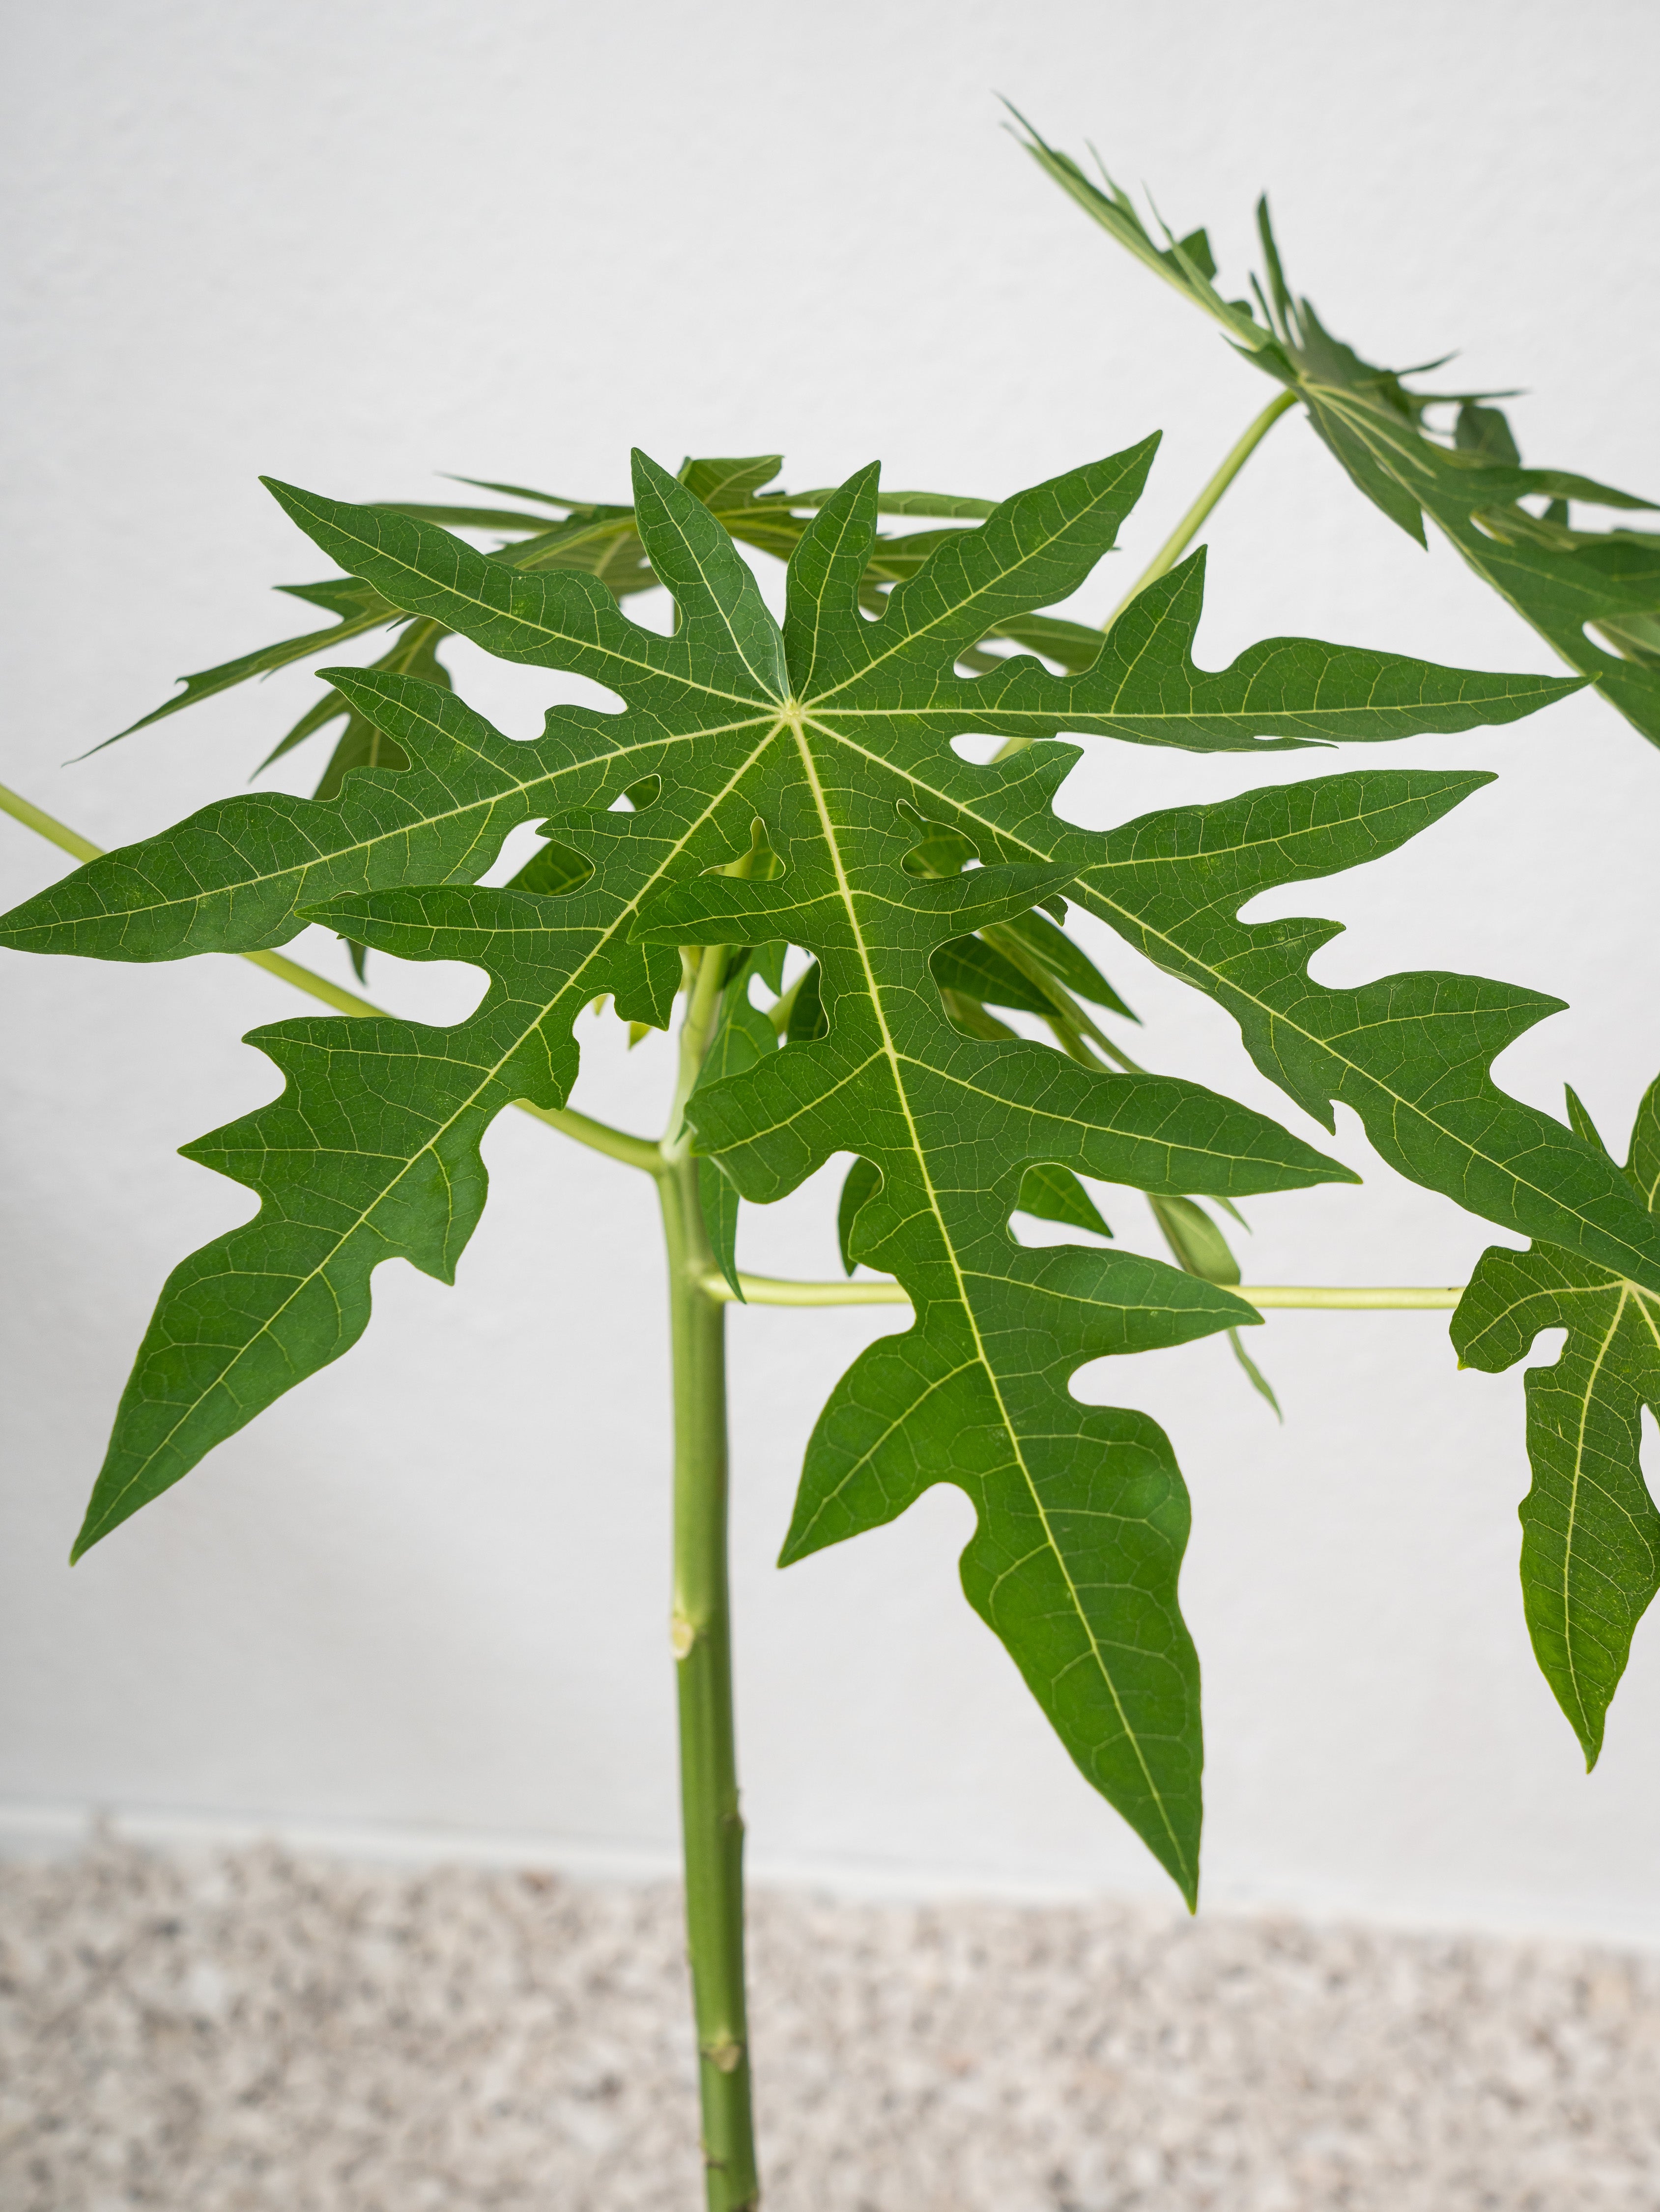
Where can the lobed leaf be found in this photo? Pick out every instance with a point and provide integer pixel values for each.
(1595, 595)
(1411, 1054)
(1590, 1530)
(834, 736)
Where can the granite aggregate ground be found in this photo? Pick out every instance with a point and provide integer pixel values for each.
(262, 2032)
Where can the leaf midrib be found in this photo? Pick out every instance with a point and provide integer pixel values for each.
(1181, 958)
(952, 610)
(896, 1061)
(661, 742)
(1585, 1398)
(625, 913)
(716, 599)
(609, 612)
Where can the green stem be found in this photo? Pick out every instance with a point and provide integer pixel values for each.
(703, 982)
(45, 825)
(710, 1825)
(1191, 523)
(599, 1136)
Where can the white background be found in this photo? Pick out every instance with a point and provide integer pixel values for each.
(422, 1603)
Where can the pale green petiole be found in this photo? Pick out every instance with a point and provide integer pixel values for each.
(1193, 521)
(46, 825)
(1267, 1298)
(617, 1144)
(1190, 524)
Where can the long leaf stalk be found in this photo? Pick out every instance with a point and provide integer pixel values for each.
(1267, 1298)
(1194, 520)
(599, 1136)
(1191, 523)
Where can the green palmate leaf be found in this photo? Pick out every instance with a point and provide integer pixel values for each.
(1594, 595)
(835, 735)
(1590, 1532)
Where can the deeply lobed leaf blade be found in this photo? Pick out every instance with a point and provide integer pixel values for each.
(834, 737)
(1590, 1529)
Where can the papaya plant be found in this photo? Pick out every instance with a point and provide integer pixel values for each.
(784, 845)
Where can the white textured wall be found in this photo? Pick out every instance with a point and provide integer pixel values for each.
(352, 244)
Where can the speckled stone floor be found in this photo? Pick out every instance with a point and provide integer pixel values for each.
(258, 2031)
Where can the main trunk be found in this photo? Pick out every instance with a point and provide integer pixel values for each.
(712, 1828)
